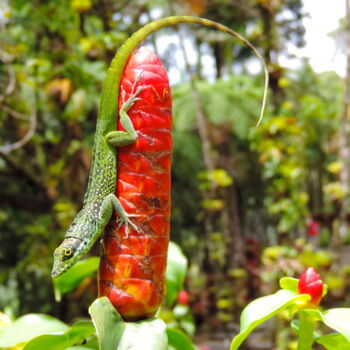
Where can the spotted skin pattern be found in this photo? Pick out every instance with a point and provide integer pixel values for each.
(99, 199)
(132, 267)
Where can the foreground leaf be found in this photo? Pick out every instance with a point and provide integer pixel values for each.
(28, 327)
(259, 310)
(74, 276)
(334, 342)
(90, 344)
(108, 323)
(179, 340)
(74, 335)
(289, 283)
(339, 320)
(115, 334)
(146, 335)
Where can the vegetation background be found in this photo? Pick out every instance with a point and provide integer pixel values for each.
(250, 205)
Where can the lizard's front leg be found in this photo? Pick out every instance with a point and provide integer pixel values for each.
(119, 138)
(110, 202)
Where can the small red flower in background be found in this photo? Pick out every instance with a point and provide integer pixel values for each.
(204, 347)
(313, 228)
(310, 283)
(183, 297)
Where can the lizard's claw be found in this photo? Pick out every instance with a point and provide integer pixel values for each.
(123, 95)
(131, 100)
(127, 222)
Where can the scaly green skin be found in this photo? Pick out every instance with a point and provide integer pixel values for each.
(99, 199)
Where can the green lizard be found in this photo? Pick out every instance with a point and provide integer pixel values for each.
(100, 200)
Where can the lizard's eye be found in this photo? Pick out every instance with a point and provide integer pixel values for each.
(68, 253)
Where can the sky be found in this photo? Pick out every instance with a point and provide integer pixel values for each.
(320, 48)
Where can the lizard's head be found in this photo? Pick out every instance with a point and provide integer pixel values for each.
(80, 236)
(67, 254)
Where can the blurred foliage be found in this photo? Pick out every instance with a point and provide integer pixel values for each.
(175, 272)
(82, 270)
(107, 330)
(243, 224)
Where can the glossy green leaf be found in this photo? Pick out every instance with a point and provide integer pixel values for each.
(175, 272)
(90, 344)
(262, 309)
(334, 342)
(28, 327)
(339, 320)
(172, 291)
(108, 323)
(179, 340)
(74, 335)
(74, 276)
(146, 335)
(289, 283)
(115, 334)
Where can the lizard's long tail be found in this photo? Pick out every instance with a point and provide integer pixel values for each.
(109, 107)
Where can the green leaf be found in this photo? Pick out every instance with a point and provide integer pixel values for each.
(325, 290)
(175, 272)
(180, 310)
(90, 344)
(259, 310)
(74, 335)
(339, 320)
(115, 334)
(179, 340)
(289, 284)
(108, 323)
(146, 335)
(28, 327)
(74, 276)
(334, 342)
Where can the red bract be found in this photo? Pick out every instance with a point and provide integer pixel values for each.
(182, 298)
(311, 283)
(132, 267)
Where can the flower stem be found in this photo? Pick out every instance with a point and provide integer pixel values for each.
(307, 326)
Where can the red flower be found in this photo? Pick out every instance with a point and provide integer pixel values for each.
(311, 283)
(182, 298)
(313, 228)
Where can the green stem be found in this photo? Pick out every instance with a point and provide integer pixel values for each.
(307, 326)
